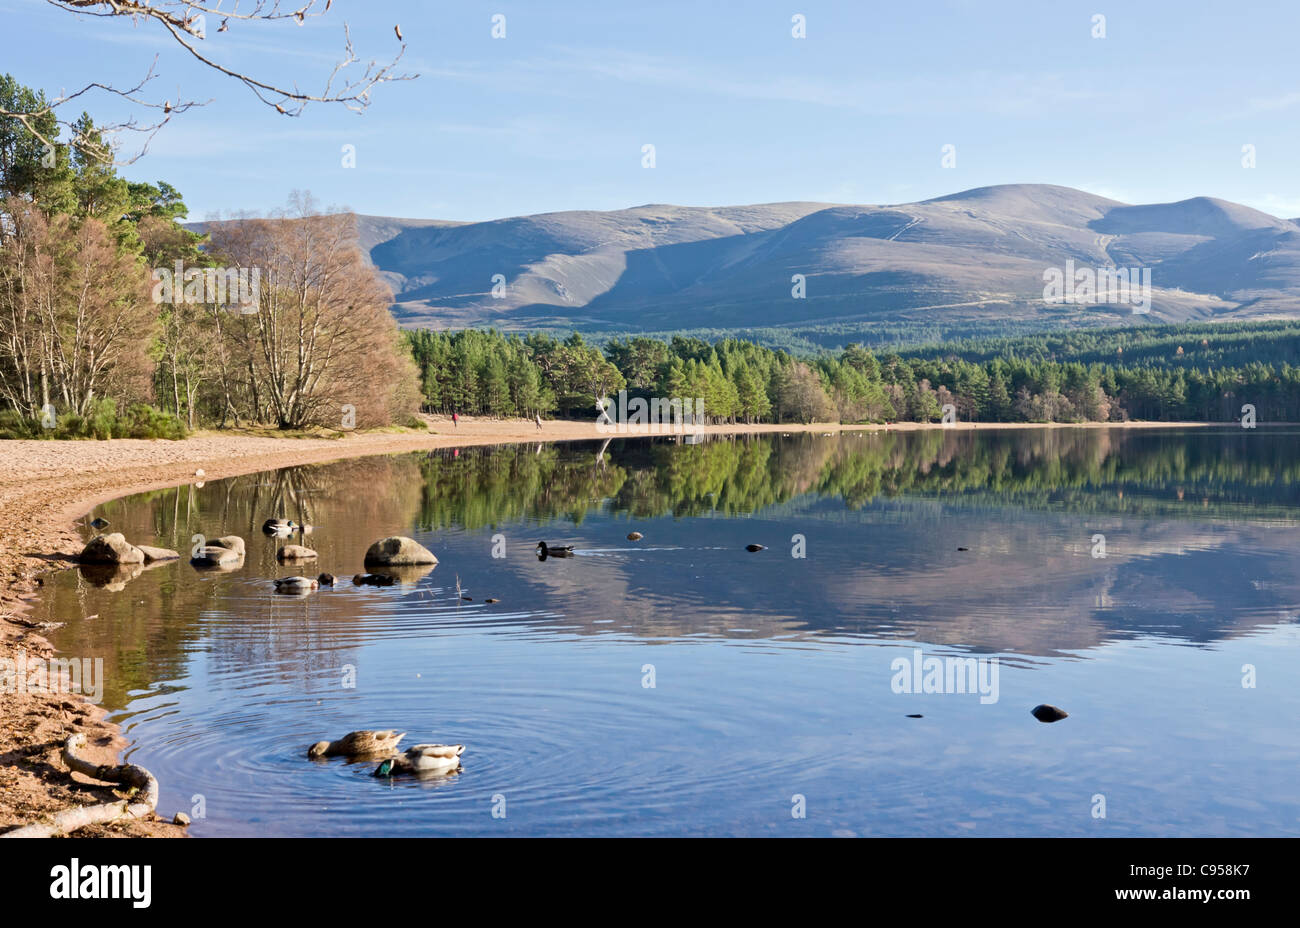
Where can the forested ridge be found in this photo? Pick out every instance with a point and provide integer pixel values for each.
(1167, 373)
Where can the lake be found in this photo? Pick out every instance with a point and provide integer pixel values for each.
(1145, 581)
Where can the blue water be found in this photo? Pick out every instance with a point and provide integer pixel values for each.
(771, 673)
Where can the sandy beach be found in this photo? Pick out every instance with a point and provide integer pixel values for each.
(47, 486)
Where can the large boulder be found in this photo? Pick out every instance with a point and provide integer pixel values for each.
(152, 554)
(397, 551)
(111, 549)
(295, 553)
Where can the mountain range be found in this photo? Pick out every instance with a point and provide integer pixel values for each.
(978, 255)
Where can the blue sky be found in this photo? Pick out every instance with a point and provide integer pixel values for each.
(554, 115)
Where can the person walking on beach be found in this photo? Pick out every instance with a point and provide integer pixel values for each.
(538, 417)
(455, 421)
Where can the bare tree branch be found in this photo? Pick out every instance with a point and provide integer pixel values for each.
(186, 22)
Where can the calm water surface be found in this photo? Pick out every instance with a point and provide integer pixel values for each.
(772, 673)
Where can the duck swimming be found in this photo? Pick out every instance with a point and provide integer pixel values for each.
(296, 585)
(358, 744)
(278, 526)
(544, 550)
(423, 758)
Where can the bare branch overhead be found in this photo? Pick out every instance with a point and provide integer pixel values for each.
(186, 21)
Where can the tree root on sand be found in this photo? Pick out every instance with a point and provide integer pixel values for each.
(139, 780)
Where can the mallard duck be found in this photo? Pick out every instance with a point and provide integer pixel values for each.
(358, 744)
(752, 548)
(544, 550)
(373, 580)
(296, 585)
(278, 526)
(423, 758)
(325, 579)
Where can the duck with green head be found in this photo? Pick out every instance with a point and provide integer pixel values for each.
(423, 759)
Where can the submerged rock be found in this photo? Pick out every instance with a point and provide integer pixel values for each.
(1046, 713)
(218, 557)
(152, 554)
(295, 553)
(398, 551)
(111, 577)
(111, 549)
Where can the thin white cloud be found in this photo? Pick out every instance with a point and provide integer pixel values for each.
(568, 71)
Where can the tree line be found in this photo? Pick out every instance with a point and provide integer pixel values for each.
(98, 339)
(490, 373)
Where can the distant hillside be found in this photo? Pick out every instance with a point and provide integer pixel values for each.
(965, 261)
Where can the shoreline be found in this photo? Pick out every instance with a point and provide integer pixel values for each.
(47, 486)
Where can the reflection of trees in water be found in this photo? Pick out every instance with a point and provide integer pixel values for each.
(1199, 474)
(490, 486)
(1078, 470)
(147, 637)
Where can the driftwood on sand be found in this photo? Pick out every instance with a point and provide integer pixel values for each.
(143, 803)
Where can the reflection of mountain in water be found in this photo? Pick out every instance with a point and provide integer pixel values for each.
(1198, 527)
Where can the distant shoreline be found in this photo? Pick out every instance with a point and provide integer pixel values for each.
(46, 486)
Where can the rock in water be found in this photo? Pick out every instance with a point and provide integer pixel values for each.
(230, 543)
(295, 553)
(634, 536)
(152, 554)
(397, 551)
(181, 819)
(111, 549)
(1046, 713)
(99, 524)
(217, 556)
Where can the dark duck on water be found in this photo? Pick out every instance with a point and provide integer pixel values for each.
(544, 550)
